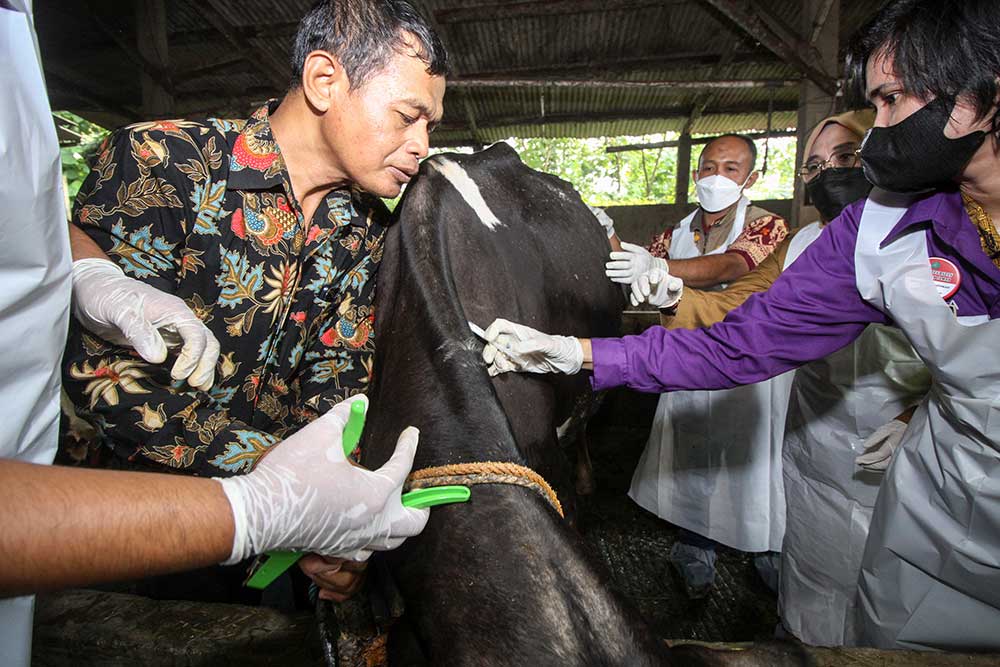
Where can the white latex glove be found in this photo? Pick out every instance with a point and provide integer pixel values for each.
(515, 347)
(604, 219)
(657, 288)
(126, 311)
(305, 495)
(881, 445)
(626, 266)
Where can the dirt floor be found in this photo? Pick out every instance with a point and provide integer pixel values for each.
(634, 543)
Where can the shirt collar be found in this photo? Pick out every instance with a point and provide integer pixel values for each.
(729, 217)
(946, 213)
(256, 162)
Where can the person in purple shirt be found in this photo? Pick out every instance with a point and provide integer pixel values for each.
(921, 253)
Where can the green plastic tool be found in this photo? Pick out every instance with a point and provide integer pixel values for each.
(435, 495)
(276, 562)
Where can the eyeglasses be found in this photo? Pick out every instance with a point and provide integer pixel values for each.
(842, 159)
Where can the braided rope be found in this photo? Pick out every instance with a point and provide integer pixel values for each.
(484, 472)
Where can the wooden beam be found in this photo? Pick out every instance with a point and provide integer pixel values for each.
(277, 30)
(674, 84)
(534, 8)
(151, 43)
(204, 99)
(275, 73)
(683, 178)
(820, 21)
(707, 97)
(789, 47)
(460, 86)
(117, 35)
(699, 140)
(599, 68)
(63, 83)
(470, 117)
(604, 117)
(222, 65)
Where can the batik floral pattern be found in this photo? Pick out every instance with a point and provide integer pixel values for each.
(204, 210)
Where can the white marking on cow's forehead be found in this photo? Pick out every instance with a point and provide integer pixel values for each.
(468, 189)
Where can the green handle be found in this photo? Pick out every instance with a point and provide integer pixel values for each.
(276, 562)
(355, 425)
(436, 495)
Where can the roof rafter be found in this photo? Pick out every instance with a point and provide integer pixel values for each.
(532, 8)
(772, 34)
(674, 84)
(157, 74)
(214, 12)
(696, 140)
(552, 119)
(707, 97)
(621, 65)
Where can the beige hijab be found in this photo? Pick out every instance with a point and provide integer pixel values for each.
(858, 122)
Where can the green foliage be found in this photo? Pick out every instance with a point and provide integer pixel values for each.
(604, 179)
(76, 158)
(639, 177)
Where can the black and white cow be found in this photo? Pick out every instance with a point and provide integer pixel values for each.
(500, 580)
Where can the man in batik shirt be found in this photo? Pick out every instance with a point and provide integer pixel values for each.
(270, 230)
(723, 255)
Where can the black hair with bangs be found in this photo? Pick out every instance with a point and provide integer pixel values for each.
(939, 48)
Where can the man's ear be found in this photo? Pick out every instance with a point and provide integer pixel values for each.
(694, 174)
(323, 80)
(753, 179)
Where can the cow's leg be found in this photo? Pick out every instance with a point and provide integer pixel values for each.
(584, 468)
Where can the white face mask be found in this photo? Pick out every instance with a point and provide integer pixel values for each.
(718, 192)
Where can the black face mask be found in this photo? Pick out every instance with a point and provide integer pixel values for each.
(835, 188)
(914, 155)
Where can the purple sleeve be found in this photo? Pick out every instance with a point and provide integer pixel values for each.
(813, 309)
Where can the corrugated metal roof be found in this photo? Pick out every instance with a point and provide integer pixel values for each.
(676, 40)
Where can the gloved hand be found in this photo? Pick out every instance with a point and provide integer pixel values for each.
(626, 266)
(657, 288)
(305, 495)
(515, 347)
(881, 445)
(604, 219)
(125, 311)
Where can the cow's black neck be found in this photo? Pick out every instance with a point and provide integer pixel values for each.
(500, 579)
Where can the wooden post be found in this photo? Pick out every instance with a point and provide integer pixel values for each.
(151, 42)
(683, 169)
(820, 19)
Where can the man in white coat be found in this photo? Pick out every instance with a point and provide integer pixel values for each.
(712, 465)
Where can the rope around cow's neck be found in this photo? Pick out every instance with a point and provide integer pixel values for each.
(484, 472)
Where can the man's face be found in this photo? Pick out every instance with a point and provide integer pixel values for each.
(893, 104)
(379, 132)
(726, 156)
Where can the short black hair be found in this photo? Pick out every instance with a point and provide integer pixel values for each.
(742, 137)
(364, 34)
(939, 48)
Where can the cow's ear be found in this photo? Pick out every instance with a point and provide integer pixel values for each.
(323, 79)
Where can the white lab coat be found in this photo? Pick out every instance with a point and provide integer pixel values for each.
(34, 272)
(836, 403)
(930, 575)
(712, 464)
